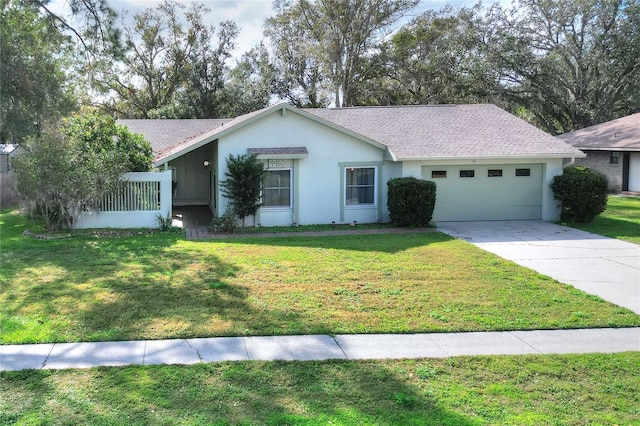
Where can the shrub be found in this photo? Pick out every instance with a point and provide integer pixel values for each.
(411, 201)
(69, 169)
(165, 223)
(225, 224)
(243, 184)
(582, 193)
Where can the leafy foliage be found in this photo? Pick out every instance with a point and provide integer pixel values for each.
(571, 64)
(68, 170)
(411, 201)
(433, 59)
(582, 192)
(243, 184)
(177, 66)
(226, 224)
(100, 133)
(336, 36)
(33, 91)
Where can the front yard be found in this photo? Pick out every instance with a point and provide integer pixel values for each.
(620, 220)
(591, 389)
(154, 286)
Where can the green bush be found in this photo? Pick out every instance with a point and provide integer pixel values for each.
(582, 193)
(225, 224)
(411, 201)
(243, 184)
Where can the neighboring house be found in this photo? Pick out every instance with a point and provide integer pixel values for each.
(6, 152)
(325, 165)
(612, 148)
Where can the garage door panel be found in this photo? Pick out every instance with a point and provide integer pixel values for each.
(507, 197)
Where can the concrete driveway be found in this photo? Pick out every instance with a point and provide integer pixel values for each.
(595, 264)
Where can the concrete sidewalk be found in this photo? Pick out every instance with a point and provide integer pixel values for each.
(317, 347)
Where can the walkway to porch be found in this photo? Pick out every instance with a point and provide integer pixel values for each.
(192, 217)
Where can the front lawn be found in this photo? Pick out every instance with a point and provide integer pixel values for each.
(154, 286)
(594, 389)
(620, 220)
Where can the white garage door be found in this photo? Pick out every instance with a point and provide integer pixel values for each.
(634, 172)
(487, 192)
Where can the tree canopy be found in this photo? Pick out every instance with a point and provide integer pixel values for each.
(561, 64)
(34, 89)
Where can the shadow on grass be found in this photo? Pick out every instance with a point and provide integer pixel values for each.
(276, 393)
(124, 288)
(385, 243)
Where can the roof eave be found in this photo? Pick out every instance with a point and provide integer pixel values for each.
(493, 157)
(613, 148)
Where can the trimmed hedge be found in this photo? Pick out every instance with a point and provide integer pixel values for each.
(411, 201)
(582, 193)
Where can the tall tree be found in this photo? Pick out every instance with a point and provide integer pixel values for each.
(92, 24)
(433, 59)
(173, 67)
(33, 55)
(207, 69)
(250, 84)
(298, 68)
(339, 35)
(570, 63)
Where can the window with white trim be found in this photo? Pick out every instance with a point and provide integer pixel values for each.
(360, 185)
(276, 188)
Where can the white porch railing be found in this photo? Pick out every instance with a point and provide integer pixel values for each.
(144, 196)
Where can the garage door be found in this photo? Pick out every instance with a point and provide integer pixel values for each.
(487, 192)
(634, 172)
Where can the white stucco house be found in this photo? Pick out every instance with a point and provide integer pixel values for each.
(325, 165)
(612, 148)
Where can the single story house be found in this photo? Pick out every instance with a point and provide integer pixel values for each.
(612, 148)
(326, 165)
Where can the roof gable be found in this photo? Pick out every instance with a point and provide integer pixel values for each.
(620, 134)
(226, 127)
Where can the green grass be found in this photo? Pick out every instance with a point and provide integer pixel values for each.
(620, 220)
(154, 286)
(594, 389)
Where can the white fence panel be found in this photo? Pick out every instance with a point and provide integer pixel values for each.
(144, 197)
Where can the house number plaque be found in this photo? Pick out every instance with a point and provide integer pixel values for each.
(277, 163)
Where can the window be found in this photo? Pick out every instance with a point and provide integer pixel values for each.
(360, 185)
(438, 174)
(523, 172)
(276, 188)
(494, 173)
(615, 158)
(467, 173)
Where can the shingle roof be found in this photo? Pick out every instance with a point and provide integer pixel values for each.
(164, 134)
(408, 132)
(296, 150)
(447, 131)
(621, 134)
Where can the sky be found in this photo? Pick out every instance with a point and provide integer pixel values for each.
(249, 15)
